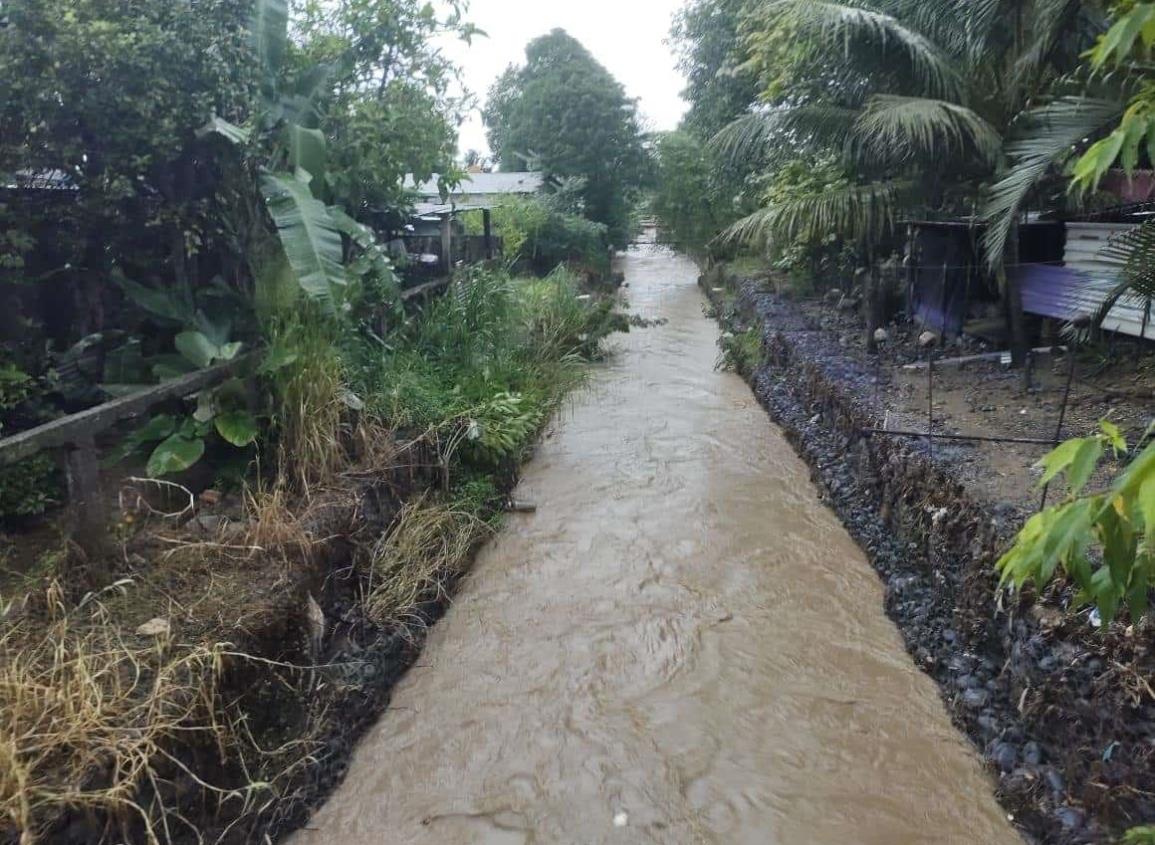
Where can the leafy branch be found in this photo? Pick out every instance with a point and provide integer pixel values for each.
(1104, 542)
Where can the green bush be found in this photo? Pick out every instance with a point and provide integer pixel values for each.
(539, 236)
(28, 489)
(742, 353)
(484, 365)
(1104, 542)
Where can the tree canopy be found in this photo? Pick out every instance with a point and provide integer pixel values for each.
(564, 112)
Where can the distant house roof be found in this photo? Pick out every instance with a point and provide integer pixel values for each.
(478, 185)
(41, 180)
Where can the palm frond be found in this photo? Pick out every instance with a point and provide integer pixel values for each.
(1050, 21)
(831, 24)
(1135, 250)
(943, 21)
(982, 18)
(898, 128)
(752, 136)
(1047, 136)
(855, 213)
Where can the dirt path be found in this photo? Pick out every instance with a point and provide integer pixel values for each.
(682, 645)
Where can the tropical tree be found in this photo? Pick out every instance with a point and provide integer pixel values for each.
(700, 192)
(705, 36)
(565, 112)
(919, 106)
(103, 100)
(387, 111)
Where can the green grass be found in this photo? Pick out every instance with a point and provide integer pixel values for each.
(481, 370)
(742, 352)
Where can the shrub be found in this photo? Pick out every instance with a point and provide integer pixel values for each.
(538, 236)
(482, 367)
(28, 488)
(1104, 542)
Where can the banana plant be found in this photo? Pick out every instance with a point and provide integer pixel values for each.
(292, 160)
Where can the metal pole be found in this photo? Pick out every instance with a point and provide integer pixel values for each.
(1062, 420)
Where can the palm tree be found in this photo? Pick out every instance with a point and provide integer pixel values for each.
(919, 98)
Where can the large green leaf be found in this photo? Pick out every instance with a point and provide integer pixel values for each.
(311, 240)
(176, 454)
(221, 128)
(307, 152)
(197, 348)
(237, 427)
(166, 303)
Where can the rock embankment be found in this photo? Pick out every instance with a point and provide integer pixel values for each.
(1062, 711)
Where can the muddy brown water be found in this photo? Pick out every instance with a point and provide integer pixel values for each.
(681, 645)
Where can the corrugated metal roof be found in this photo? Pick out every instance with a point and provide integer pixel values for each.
(477, 185)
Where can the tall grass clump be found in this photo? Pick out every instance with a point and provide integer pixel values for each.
(310, 397)
(415, 562)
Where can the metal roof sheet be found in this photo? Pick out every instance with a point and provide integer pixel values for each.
(1079, 289)
(477, 185)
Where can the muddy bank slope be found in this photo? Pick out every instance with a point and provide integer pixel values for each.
(1062, 712)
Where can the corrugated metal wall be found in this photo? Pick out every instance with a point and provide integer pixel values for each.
(1079, 289)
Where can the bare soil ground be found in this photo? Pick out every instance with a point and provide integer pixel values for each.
(987, 398)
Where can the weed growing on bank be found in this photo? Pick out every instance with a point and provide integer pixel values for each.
(135, 736)
(742, 352)
(481, 370)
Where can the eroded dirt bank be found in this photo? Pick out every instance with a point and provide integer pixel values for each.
(1060, 710)
(681, 645)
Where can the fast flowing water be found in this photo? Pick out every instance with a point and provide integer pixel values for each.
(681, 645)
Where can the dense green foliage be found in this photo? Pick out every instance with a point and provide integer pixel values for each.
(388, 111)
(111, 94)
(706, 35)
(563, 112)
(935, 108)
(481, 369)
(940, 108)
(690, 199)
(539, 234)
(215, 163)
(1103, 541)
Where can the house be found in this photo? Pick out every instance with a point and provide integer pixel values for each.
(436, 229)
(487, 190)
(1066, 271)
(1091, 269)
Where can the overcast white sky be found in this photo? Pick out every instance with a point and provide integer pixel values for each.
(627, 36)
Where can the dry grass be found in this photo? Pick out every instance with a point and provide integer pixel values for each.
(94, 719)
(430, 545)
(312, 405)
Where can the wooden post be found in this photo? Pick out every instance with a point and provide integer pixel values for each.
(1013, 297)
(447, 244)
(88, 514)
(910, 270)
(873, 306)
(487, 223)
